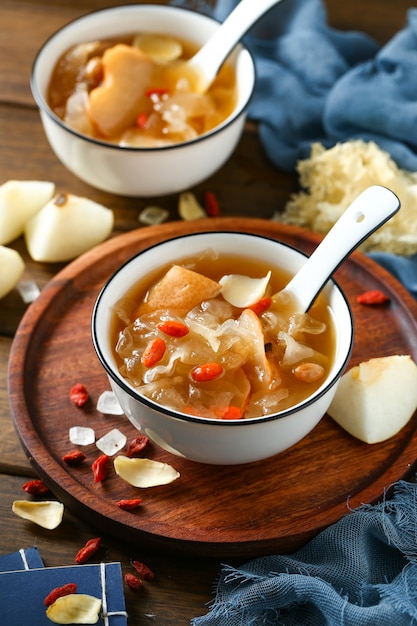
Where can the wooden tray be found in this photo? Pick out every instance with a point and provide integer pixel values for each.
(230, 511)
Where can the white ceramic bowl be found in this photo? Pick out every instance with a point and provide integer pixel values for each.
(209, 440)
(140, 171)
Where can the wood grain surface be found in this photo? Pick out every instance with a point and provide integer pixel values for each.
(233, 511)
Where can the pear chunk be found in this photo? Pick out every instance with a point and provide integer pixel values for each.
(19, 201)
(66, 227)
(11, 269)
(376, 399)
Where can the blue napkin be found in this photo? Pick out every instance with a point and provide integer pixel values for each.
(361, 571)
(318, 84)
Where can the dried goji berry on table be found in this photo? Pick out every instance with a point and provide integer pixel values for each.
(74, 458)
(373, 296)
(129, 505)
(137, 445)
(88, 550)
(79, 394)
(101, 468)
(143, 570)
(35, 487)
(133, 582)
(153, 352)
(206, 372)
(59, 592)
(211, 204)
(173, 328)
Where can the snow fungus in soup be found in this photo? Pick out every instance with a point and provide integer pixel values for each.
(138, 91)
(199, 338)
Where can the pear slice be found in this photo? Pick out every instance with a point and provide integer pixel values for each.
(376, 399)
(48, 513)
(75, 608)
(11, 269)
(66, 227)
(182, 288)
(19, 201)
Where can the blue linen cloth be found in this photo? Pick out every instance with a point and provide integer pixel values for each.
(361, 571)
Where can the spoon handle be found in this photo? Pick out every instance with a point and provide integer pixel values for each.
(210, 57)
(372, 208)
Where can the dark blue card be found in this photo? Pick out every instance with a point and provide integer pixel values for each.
(26, 558)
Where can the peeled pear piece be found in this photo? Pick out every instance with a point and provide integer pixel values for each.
(376, 399)
(11, 269)
(19, 201)
(66, 227)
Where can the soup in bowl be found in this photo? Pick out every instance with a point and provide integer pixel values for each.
(205, 354)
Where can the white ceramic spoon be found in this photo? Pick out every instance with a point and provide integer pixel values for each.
(208, 60)
(372, 208)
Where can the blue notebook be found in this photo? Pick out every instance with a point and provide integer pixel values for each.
(26, 558)
(22, 593)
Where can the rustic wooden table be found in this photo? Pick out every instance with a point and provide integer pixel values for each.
(248, 185)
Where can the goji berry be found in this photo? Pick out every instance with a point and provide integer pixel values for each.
(88, 550)
(207, 371)
(143, 570)
(153, 352)
(137, 445)
(133, 582)
(141, 120)
(157, 91)
(74, 458)
(100, 468)
(35, 487)
(59, 592)
(211, 204)
(173, 328)
(79, 394)
(129, 505)
(261, 306)
(229, 413)
(374, 296)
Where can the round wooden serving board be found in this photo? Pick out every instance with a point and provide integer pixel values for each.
(242, 511)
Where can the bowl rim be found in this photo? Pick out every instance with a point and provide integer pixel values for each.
(176, 415)
(44, 107)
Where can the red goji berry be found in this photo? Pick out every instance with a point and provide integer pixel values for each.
(374, 296)
(229, 413)
(100, 468)
(129, 505)
(141, 120)
(74, 458)
(137, 445)
(88, 550)
(143, 570)
(262, 305)
(35, 487)
(211, 204)
(173, 328)
(79, 394)
(157, 91)
(59, 592)
(206, 372)
(133, 582)
(153, 352)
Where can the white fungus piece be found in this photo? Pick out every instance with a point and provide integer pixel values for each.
(152, 215)
(108, 404)
(243, 291)
(28, 290)
(48, 513)
(144, 473)
(82, 435)
(75, 608)
(189, 208)
(112, 442)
